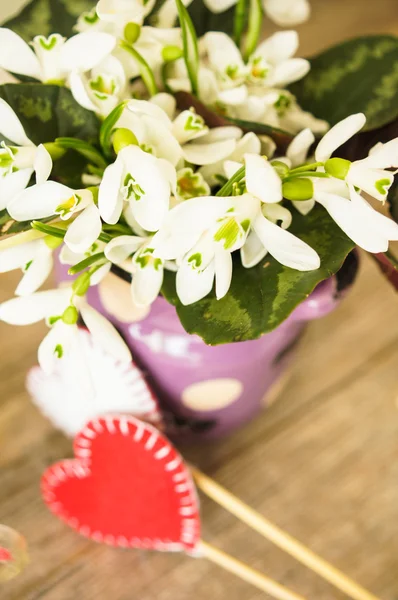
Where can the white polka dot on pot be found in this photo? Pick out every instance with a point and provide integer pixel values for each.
(212, 394)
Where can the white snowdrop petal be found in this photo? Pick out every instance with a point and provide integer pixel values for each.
(16, 257)
(338, 135)
(121, 248)
(145, 285)
(206, 154)
(304, 206)
(278, 47)
(234, 96)
(218, 134)
(299, 148)
(166, 102)
(231, 167)
(223, 272)
(253, 251)
(85, 50)
(56, 345)
(285, 247)
(37, 273)
(356, 222)
(276, 213)
(287, 12)
(30, 309)
(17, 57)
(12, 185)
(193, 285)
(382, 156)
(381, 223)
(222, 51)
(219, 6)
(79, 91)
(375, 182)
(185, 223)
(262, 181)
(100, 274)
(105, 334)
(150, 109)
(42, 165)
(84, 230)
(289, 71)
(152, 206)
(10, 125)
(110, 200)
(39, 201)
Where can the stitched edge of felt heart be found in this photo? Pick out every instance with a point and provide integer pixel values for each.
(144, 403)
(80, 467)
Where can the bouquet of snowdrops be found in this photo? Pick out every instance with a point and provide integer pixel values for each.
(191, 165)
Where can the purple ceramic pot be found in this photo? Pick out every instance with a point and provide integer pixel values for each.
(208, 391)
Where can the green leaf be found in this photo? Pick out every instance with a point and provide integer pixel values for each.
(9, 227)
(145, 70)
(360, 75)
(204, 20)
(43, 17)
(84, 148)
(190, 45)
(240, 19)
(262, 297)
(254, 28)
(108, 126)
(48, 112)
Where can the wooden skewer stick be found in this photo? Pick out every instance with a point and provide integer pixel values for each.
(246, 573)
(281, 539)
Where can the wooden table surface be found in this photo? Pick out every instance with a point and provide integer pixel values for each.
(322, 463)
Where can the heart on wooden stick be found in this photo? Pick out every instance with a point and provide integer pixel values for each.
(127, 487)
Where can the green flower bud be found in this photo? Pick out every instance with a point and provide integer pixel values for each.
(337, 167)
(123, 137)
(54, 150)
(53, 242)
(132, 32)
(170, 53)
(280, 167)
(298, 189)
(70, 316)
(81, 284)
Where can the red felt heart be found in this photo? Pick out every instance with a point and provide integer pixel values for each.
(127, 487)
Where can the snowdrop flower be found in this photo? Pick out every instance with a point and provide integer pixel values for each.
(201, 235)
(53, 59)
(336, 190)
(143, 181)
(96, 273)
(286, 13)
(120, 13)
(215, 173)
(35, 260)
(369, 174)
(51, 198)
(201, 146)
(152, 128)
(146, 269)
(151, 44)
(19, 162)
(263, 182)
(187, 137)
(365, 226)
(103, 89)
(58, 308)
(271, 64)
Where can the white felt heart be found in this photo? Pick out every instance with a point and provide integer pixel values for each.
(89, 383)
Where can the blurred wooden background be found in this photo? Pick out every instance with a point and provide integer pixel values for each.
(322, 463)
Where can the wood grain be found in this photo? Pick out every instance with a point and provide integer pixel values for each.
(321, 463)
